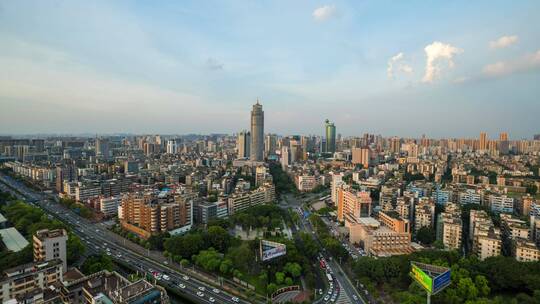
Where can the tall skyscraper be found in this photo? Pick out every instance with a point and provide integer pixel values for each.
(330, 136)
(257, 133)
(243, 143)
(483, 141)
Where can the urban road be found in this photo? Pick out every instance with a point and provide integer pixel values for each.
(346, 292)
(98, 239)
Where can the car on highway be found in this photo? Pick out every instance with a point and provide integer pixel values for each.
(200, 294)
(235, 299)
(201, 288)
(166, 277)
(212, 300)
(185, 278)
(182, 286)
(326, 298)
(215, 290)
(355, 297)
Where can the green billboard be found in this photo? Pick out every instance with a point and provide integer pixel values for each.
(422, 278)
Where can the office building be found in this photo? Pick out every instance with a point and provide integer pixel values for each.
(394, 221)
(330, 130)
(243, 144)
(102, 148)
(270, 144)
(257, 133)
(207, 211)
(353, 202)
(376, 239)
(50, 245)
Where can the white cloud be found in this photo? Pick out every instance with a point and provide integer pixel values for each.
(395, 64)
(523, 64)
(503, 42)
(435, 52)
(324, 13)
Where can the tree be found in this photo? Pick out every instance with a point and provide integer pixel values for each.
(218, 238)
(482, 285)
(466, 289)
(271, 288)
(241, 256)
(294, 269)
(288, 281)
(426, 235)
(280, 277)
(95, 263)
(156, 241)
(226, 266)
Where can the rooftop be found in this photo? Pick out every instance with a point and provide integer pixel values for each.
(13, 239)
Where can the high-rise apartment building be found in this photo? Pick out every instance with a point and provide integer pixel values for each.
(361, 156)
(395, 145)
(243, 144)
(257, 133)
(330, 130)
(147, 213)
(483, 144)
(449, 227)
(50, 245)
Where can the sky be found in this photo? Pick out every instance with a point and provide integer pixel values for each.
(404, 68)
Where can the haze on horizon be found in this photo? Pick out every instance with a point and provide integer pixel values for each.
(448, 69)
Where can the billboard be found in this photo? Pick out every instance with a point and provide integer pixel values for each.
(441, 281)
(431, 277)
(422, 278)
(270, 250)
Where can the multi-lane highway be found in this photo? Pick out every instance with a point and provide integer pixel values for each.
(98, 239)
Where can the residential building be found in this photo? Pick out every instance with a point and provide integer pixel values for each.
(50, 245)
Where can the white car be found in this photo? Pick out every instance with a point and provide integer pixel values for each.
(200, 294)
(202, 288)
(215, 290)
(182, 286)
(211, 300)
(327, 298)
(166, 277)
(185, 278)
(355, 297)
(235, 299)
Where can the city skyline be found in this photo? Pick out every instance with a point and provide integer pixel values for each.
(402, 69)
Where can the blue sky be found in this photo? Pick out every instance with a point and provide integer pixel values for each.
(401, 68)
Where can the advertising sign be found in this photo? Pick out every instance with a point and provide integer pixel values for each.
(270, 250)
(422, 278)
(441, 281)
